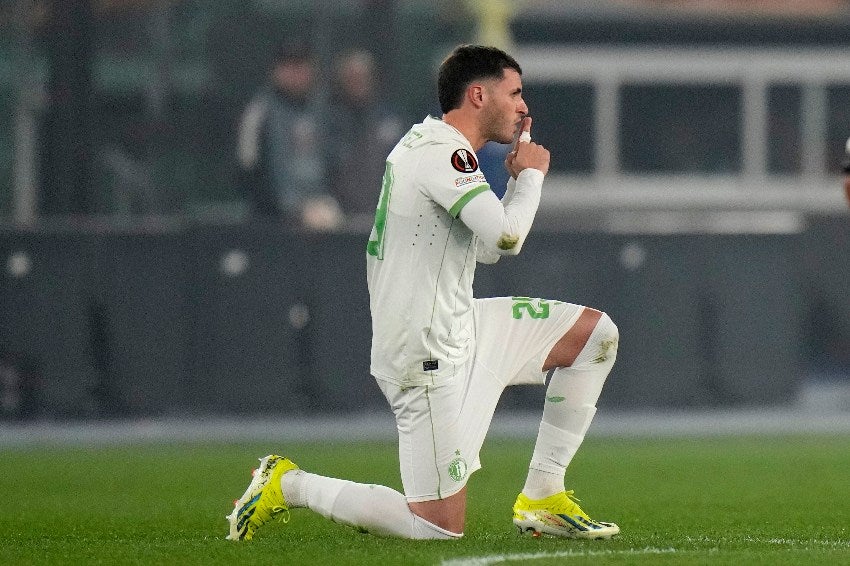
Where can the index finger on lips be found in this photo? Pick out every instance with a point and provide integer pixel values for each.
(525, 132)
(525, 135)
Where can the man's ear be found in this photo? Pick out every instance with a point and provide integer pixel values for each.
(475, 94)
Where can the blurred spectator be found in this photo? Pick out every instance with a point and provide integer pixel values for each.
(365, 130)
(282, 144)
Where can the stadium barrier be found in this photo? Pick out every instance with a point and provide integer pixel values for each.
(254, 319)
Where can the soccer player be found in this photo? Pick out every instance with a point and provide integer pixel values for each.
(441, 357)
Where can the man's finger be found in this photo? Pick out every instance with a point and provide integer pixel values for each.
(525, 132)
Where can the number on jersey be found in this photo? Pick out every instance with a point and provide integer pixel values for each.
(375, 247)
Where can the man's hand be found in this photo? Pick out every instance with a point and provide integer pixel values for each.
(526, 154)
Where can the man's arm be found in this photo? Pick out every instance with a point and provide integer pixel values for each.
(502, 228)
(483, 254)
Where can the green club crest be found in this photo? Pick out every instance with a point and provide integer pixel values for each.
(457, 469)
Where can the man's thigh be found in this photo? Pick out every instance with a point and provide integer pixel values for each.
(514, 335)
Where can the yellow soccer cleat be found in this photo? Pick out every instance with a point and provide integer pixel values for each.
(262, 500)
(558, 515)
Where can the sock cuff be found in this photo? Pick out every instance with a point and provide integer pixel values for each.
(422, 527)
(559, 435)
(554, 449)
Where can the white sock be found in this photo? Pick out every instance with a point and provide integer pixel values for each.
(569, 409)
(369, 508)
(553, 452)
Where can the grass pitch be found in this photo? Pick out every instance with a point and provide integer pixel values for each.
(754, 500)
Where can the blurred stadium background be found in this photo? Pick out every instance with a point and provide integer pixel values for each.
(695, 195)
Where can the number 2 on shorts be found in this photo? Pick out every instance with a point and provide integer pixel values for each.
(524, 305)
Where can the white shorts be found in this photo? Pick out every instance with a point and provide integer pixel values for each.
(441, 427)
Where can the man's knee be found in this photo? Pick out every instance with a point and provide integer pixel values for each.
(593, 330)
(601, 345)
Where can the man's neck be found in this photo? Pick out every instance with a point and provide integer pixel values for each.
(466, 125)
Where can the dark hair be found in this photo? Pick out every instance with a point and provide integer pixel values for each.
(293, 49)
(468, 63)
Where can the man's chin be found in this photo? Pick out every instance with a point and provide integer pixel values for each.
(502, 137)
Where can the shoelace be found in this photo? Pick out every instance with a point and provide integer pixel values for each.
(574, 508)
(284, 514)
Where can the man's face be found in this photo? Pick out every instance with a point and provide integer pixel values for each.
(294, 77)
(503, 108)
(357, 79)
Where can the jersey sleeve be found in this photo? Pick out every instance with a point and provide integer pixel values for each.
(502, 226)
(483, 254)
(451, 177)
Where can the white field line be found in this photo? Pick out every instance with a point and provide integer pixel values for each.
(487, 560)
(791, 543)
(498, 558)
(804, 544)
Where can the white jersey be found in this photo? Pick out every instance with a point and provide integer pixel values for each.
(421, 257)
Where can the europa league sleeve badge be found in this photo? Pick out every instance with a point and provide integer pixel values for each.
(464, 161)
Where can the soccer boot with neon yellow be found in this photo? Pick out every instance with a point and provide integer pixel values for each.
(558, 515)
(263, 499)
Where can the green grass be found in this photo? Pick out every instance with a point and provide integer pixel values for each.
(755, 500)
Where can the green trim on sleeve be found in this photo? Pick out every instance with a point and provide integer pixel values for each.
(461, 202)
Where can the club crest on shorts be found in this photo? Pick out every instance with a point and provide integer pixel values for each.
(464, 161)
(457, 468)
